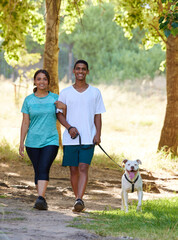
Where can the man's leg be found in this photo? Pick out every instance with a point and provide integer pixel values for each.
(79, 179)
(83, 179)
(74, 176)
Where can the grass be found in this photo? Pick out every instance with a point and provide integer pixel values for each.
(10, 152)
(158, 220)
(3, 196)
(101, 160)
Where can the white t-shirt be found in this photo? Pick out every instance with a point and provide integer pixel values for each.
(81, 110)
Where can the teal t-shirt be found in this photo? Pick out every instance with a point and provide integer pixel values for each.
(42, 112)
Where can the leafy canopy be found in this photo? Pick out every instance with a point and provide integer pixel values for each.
(157, 17)
(19, 18)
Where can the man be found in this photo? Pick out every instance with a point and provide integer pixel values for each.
(83, 128)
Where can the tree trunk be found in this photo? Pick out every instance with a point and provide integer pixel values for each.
(169, 134)
(52, 47)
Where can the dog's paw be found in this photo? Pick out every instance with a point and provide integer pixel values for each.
(139, 208)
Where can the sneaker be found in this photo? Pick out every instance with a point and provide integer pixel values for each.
(79, 205)
(41, 203)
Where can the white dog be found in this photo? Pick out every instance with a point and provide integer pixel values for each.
(131, 181)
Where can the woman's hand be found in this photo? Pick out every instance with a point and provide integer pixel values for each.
(60, 105)
(21, 150)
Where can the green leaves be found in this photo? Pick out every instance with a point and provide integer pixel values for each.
(159, 19)
(167, 32)
(17, 20)
(168, 19)
(73, 12)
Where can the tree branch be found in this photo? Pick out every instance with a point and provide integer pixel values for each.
(158, 33)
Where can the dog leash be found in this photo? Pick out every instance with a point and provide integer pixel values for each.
(110, 157)
(80, 143)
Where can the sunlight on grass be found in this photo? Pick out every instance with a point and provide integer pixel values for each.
(10, 152)
(104, 162)
(158, 220)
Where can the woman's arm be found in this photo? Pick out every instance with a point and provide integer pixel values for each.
(98, 124)
(61, 105)
(23, 133)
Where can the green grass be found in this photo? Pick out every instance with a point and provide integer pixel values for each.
(104, 162)
(10, 153)
(158, 220)
(3, 196)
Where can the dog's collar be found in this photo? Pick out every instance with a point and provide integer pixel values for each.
(131, 181)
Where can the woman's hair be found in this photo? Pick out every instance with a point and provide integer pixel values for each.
(45, 73)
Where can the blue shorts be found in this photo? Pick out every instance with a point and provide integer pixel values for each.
(75, 154)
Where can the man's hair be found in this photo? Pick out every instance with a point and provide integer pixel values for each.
(81, 61)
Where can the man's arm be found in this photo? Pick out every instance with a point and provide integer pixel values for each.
(98, 124)
(73, 131)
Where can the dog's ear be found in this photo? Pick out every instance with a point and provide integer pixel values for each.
(138, 161)
(124, 161)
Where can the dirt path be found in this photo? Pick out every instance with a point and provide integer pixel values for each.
(19, 221)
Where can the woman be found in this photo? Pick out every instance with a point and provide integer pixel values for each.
(39, 129)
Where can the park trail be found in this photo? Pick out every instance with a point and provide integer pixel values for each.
(19, 221)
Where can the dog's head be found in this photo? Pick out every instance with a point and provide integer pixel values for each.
(131, 167)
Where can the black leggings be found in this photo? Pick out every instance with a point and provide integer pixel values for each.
(42, 159)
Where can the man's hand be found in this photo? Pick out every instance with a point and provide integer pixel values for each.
(97, 139)
(73, 132)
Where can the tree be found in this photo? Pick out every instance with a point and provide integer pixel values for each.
(51, 44)
(159, 19)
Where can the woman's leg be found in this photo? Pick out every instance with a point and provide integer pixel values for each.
(47, 156)
(34, 155)
(41, 187)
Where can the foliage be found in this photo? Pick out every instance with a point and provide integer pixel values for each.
(158, 220)
(111, 57)
(17, 20)
(169, 17)
(157, 18)
(25, 59)
(73, 11)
